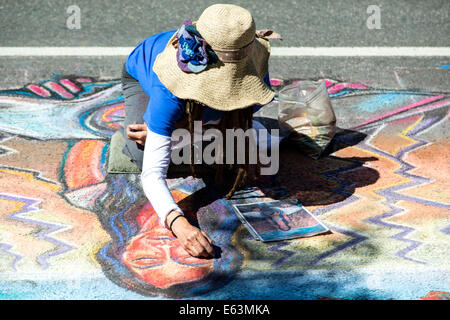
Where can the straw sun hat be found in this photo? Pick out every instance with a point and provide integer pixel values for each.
(234, 63)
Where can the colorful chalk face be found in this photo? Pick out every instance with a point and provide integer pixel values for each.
(162, 262)
(158, 258)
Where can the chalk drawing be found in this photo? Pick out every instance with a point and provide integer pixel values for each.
(379, 188)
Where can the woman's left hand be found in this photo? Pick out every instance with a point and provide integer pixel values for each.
(137, 132)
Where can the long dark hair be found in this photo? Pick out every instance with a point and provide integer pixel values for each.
(235, 119)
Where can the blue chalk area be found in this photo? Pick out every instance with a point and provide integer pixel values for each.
(299, 232)
(386, 101)
(103, 158)
(20, 92)
(374, 103)
(346, 283)
(342, 93)
(79, 289)
(351, 283)
(90, 87)
(30, 122)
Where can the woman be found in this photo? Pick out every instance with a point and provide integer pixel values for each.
(214, 70)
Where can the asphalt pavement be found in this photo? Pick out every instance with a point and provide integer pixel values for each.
(301, 23)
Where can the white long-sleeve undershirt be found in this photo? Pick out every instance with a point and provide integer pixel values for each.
(154, 171)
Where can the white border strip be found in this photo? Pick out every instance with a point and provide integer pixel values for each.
(361, 51)
(64, 51)
(275, 51)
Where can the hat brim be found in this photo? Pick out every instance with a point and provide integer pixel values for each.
(224, 86)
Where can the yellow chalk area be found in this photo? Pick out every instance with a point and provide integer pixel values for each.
(30, 177)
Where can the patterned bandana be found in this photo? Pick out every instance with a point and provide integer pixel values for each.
(193, 54)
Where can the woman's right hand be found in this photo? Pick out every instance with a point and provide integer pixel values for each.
(137, 132)
(195, 241)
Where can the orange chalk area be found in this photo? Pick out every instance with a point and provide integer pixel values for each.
(79, 228)
(83, 163)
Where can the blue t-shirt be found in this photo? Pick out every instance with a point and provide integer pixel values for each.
(164, 108)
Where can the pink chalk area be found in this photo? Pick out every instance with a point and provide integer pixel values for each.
(69, 85)
(328, 83)
(39, 90)
(58, 89)
(275, 82)
(83, 80)
(340, 86)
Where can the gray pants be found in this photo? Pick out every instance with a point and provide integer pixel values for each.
(136, 101)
